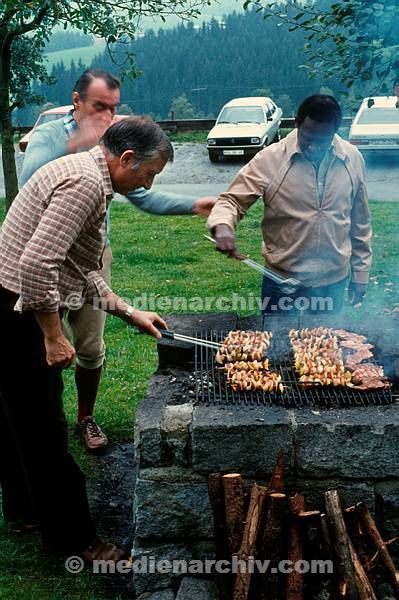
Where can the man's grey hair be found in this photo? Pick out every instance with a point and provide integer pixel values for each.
(140, 134)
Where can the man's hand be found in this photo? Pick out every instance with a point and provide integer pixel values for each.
(203, 206)
(148, 322)
(89, 134)
(59, 351)
(224, 238)
(356, 292)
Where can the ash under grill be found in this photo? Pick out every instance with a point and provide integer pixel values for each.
(212, 387)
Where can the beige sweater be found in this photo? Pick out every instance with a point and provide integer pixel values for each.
(317, 241)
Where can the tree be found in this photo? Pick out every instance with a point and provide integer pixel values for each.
(26, 26)
(347, 40)
(183, 109)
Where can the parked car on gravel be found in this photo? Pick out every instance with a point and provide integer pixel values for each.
(376, 125)
(244, 126)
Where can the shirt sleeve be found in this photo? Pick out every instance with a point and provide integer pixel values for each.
(361, 233)
(70, 206)
(161, 203)
(96, 287)
(44, 146)
(248, 185)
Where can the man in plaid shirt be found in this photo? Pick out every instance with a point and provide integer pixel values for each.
(51, 244)
(95, 98)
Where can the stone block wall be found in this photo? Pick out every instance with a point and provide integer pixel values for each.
(178, 444)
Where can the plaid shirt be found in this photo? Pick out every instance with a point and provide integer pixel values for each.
(70, 125)
(52, 238)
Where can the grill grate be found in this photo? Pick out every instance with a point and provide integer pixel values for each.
(212, 387)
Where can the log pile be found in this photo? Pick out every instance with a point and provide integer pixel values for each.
(261, 528)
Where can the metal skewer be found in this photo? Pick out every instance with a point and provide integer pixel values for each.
(288, 286)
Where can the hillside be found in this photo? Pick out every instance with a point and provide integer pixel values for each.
(244, 55)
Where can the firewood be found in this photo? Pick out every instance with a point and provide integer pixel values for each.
(361, 542)
(277, 483)
(363, 585)
(371, 529)
(312, 544)
(234, 510)
(327, 543)
(216, 498)
(341, 543)
(295, 553)
(248, 544)
(273, 545)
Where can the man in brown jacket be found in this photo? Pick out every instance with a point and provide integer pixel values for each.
(316, 224)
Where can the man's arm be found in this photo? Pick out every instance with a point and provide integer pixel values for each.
(169, 203)
(361, 242)
(46, 143)
(47, 249)
(247, 186)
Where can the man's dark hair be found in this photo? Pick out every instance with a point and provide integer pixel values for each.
(89, 75)
(140, 134)
(321, 108)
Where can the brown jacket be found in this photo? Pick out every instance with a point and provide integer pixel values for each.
(317, 242)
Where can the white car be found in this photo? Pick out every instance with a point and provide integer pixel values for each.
(243, 127)
(48, 115)
(376, 125)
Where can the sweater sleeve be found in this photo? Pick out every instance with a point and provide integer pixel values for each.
(45, 144)
(161, 203)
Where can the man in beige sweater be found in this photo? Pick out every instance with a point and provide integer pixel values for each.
(316, 224)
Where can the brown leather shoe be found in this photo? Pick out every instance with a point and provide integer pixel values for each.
(92, 434)
(100, 550)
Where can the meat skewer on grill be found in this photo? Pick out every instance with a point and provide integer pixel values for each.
(318, 359)
(244, 346)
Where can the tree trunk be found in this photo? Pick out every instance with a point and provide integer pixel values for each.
(7, 136)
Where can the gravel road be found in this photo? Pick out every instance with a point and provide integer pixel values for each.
(193, 173)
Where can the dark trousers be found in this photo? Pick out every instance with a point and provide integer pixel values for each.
(40, 480)
(327, 299)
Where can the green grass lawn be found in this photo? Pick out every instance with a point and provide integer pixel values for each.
(86, 54)
(166, 256)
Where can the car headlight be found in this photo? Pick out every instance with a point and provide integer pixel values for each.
(255, 140)
(211, 142)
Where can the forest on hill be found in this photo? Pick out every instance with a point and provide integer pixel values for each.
(195, 70)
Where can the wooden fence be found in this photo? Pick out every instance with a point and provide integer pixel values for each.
(184, 125)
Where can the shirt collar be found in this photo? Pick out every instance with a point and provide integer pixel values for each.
(70, 125)
(98, 156)
(293, 148)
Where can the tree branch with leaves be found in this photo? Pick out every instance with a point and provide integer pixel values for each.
(26, 26)
(354, 42)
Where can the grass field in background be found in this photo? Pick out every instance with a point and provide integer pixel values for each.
(169, 257)
(86, 54)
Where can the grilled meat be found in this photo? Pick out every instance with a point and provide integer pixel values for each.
(244, 346)
(318, 358)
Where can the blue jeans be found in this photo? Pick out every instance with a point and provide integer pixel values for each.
(326, 299)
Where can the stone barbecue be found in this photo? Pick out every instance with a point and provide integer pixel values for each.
(180, 441)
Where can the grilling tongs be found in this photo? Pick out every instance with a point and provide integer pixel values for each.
(287, 285)
(166, 333)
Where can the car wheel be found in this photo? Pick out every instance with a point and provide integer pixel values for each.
(213, 156)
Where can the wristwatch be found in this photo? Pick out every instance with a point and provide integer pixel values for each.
(129, 311)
